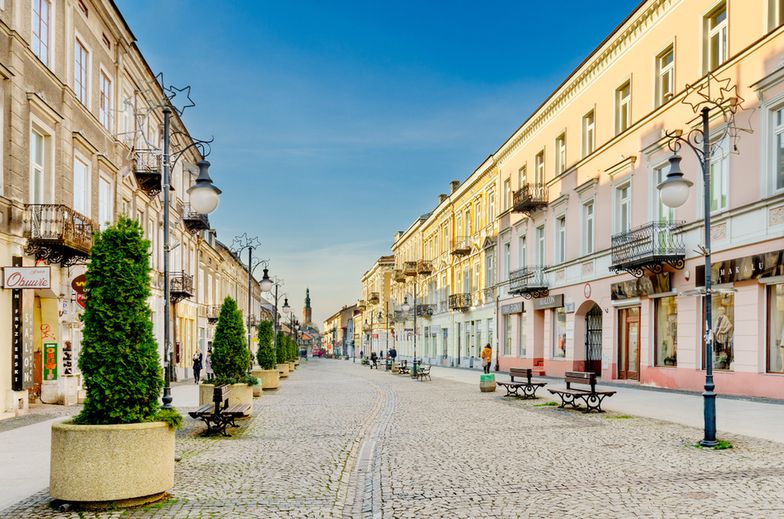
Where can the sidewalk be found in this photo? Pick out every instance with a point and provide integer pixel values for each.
(733, 415)
(24, 451)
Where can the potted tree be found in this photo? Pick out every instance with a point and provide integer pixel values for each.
(281, 356)
(268, 369)
(230, 358)
(119, 450)
(292, 351)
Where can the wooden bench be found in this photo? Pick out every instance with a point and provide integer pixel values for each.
(592, 398)
(219, 415)
(423, 372)
(528, 386)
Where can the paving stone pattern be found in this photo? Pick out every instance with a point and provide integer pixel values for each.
(339, 440)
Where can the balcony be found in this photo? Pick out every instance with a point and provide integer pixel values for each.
(58, 234)
(460, 302)
(147, 170)
(529, 282)
(194, 221)
(488, 294)
(213, 312)
(425, 310)
(399, 316)
(180, 286)
(425, 267)
(373, 299)
(461, 246)
(361, 305)
(529, 198)
(399, 276)
(410, 268)
(648, 247)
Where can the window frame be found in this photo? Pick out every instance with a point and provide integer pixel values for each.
(589, 129)
(721, 30)
(47, 55)
(619, 205)
(82, 90)
(83, 160)
(623, 101)
(105, 100)
(539, 164)
(669, 69)
(776, 130)
(589, 221)
(560, 238)
(560, 153)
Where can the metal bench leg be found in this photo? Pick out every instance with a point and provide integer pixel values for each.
(529, 391)
(593, 403)
(568, 399)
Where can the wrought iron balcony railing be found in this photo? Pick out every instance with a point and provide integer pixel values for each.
(57, 233)
(529, 198)
(489, 294)
(461, 246)
(460, 301)
(425, 267)
(194, 221)
(399, 276)
(147, 170)
(361, 305)
(425, 310)
(648, 247)
(529, 282)
(213, 312)
(180, 286)
(410, 268)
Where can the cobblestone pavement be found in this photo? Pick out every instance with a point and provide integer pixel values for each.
(337, 440)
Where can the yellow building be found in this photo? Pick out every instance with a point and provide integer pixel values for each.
(374, 320)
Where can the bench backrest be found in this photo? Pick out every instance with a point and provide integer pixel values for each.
(520, 372)
(220, 395)
(580, 377)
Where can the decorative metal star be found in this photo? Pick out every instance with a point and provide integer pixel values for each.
(173, 91)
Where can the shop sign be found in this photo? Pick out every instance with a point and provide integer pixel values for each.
(17, 342)
(26, 277)
(549, 302)
(758, 266)
(78, 283)
(643, 286)
(513, 308)
(50, 361)
(67, 358)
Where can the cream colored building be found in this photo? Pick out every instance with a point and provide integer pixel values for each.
(374, 319)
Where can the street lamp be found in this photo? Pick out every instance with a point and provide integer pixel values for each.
(204, 200)
(239, 244)
(406, 309)
(674, 191)
(266, 284)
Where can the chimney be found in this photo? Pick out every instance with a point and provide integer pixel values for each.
(442, 197)
(454, 185)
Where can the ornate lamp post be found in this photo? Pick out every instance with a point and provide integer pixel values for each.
(239, 244)
(406, 307)
(674, 191)
(266, 284)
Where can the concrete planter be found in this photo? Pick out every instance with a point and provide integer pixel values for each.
(239, 394)
(270, 378)
(283, 370)
(487, 383)
(126, 464)
(292, 366)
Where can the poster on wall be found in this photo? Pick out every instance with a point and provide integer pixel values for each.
(67, 358)
(50, 361)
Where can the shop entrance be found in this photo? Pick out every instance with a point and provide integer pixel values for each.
(629, 343)
(593, 340)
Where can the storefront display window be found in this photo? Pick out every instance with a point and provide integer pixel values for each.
(559, 332)
(522, 346)
(507, 334)
(723, 330)
(666, 335)
(776, 329)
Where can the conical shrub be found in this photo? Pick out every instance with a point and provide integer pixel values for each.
(266, 352)
(230, 356)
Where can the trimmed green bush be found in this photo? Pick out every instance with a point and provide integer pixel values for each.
(119, 358)
(280, 351)
(230, 355)
(266, 352)
(292, 349)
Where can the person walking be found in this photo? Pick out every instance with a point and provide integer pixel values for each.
(196, 366)
(373, 360)
(393, 354)
(487, 357)
(208, 364)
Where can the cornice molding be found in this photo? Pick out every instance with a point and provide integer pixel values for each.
(44, 108)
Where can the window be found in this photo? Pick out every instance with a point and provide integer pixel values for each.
(105, 203)
(540, 246)
(623, 107)
(468, 229)
(723, 313)
(560, 154)
(560, 239)
(663, 213)
(41, 22)
(522, 177)
(105, 107)
(459, 228)
(507, 334)
(522, 347)
(38, 168)
(507, 191)
(539, 169)
(507, 260)
(81, 68)
(589, 133)
(81, 187)
(719, 179)
(623, 208)
(778, 160)
(490, 206)
(522, 252)
(665, 76)
(127, 119)
(666, 332)
(559, 332)
(490, 268)
(776, 328)
(588, 228)
(715, 30)
(775, 13)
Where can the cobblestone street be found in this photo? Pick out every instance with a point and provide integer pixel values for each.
(339, 440)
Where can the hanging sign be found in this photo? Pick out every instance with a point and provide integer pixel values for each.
(78, 283)
(26, 277)
(556, 301)
(644, 286)
(67, 358)
(50, 361)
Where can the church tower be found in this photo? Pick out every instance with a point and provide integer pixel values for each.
(307, 312)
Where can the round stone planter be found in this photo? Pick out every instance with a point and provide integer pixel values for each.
(121, 465)
(487, 383)
(239, 394)
(270, 378)
(283, 370)
(292, 367)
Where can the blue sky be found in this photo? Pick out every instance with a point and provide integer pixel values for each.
(337, 123)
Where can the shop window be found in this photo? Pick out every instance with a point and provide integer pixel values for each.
(666, 333)
(723, 313)
(559, 333)
(522, 347)
(776, 329)
(507, 334)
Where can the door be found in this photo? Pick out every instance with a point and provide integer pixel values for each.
(629, 344)
(593, 340)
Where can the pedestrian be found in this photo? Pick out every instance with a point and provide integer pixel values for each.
(361, 354)
(196, 366)
(487, 356)
(393, 354)
(208, 364)
(373, 360)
